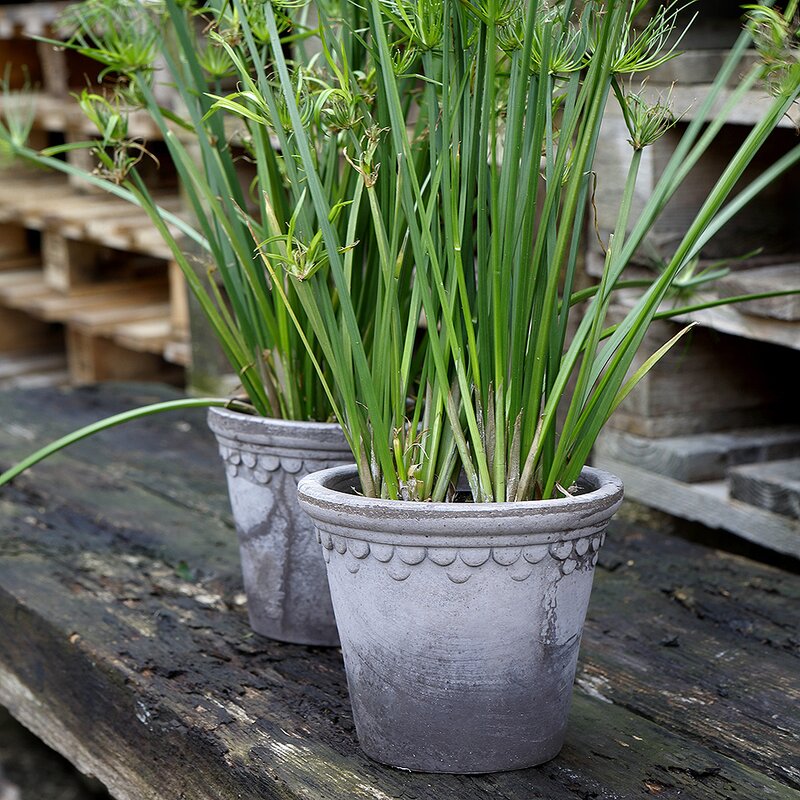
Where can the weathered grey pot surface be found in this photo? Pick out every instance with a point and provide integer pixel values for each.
(284, 574)
(460, 623)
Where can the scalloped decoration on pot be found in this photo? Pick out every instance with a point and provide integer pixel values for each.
(460, 564)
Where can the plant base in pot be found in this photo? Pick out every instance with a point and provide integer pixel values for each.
(284, 574)
(460, 623)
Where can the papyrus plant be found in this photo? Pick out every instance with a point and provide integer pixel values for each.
(424, 169)
(476, 369)
(196, 50)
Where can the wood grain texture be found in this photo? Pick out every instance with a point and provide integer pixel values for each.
(767, 279)
(708, 504)
(704, 456)
(130, 653)
(774, 486)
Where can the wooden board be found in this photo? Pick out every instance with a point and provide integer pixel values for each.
(46, 200)
(702, 457)
(28, 768)
(37, 298)
(33, 370)
(130, 652)
(92, 359)
(16, 263)
(147, 336)
(774, 486)
(699, 65)
(708, 504)
(29, 202)
(18, 289)
(179, 301)
(766, 279)
(20, 331)
(30, 19)
(13, 242)
(708, 382)
(67, 263)
(104, 321)
(178, 351)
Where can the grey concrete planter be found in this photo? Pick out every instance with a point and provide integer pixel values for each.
(460, 623)
(284, 574)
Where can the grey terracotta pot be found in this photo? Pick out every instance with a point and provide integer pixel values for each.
(460, 623)
(284, 573)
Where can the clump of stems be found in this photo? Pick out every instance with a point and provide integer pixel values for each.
(479, 232)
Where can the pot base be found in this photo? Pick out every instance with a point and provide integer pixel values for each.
(473, 767)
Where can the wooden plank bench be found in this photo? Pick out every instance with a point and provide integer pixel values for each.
(125, 644)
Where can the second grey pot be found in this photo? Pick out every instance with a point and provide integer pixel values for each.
(460, 623)
(283, 570)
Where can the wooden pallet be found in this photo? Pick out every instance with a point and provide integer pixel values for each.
(32, 370)
(115, 329)
(72, 264)
(79, 273)
(14, 246)
(20, 331)
(29, 19)
(29, 291)
(92, 359)
(774, 486)
(708, 503)
(43, 201)
(704, 456)
(707, 382)
(140, 328)
(780, 277)
(71, 257)
(730, 481)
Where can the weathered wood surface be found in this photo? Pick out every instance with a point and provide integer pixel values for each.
(766, 279)
(774, 486)
(708, 382)
(709, 503)
(704, 456)
(29, 19)
(125, 644)
(29, 770)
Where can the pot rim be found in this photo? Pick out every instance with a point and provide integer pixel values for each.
(289, 438)
(240, 418)
(341, 512)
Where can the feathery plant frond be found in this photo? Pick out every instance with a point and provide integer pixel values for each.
(776, 37)
(19, 115)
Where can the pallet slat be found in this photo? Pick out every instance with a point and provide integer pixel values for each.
(47, 201)
(708, 504)
(20, 331)
(12, 366)
(774, 486)
(766, 279)
(703, 457)
(94, 358)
